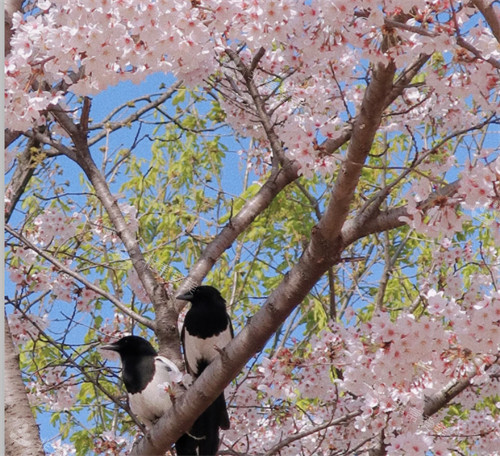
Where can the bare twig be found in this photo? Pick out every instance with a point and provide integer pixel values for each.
(333, 422)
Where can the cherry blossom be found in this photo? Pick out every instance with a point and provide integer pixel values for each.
(54, 225)
(86, 300)
(375, 369)
(23, 328)
(62, 449)
(108, 443)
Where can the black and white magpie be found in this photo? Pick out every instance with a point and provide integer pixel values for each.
(207, 329)
(146, 376)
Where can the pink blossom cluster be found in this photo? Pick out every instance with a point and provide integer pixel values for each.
(445, 272)
(480, 183)
(25, 328)
(441, 219)
(385, 369)
(54, 389)
(52, 225)
(62, 449)
(478, 189)
(42, 280)
(317, 48)
(92, 45)
(109, 444)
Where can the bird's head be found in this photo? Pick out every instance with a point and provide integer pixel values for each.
(130, 346)
(203, 294)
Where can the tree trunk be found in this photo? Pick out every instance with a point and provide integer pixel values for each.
(22, 437)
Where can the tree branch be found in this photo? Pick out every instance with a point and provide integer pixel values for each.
(363, 132)
(21, 432)
(334, 422)
(493, 62)
(22, 174)
(436, 402)
(358, 227)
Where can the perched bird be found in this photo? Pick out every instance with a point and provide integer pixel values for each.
(146, 375)
(207, 329)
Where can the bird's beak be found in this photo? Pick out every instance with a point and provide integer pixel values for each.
(186, 296)
(112, 347)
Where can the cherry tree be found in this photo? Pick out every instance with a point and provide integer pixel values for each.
(332, 167)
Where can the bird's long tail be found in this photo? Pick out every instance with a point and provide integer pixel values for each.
(206, 427)
(187, 445)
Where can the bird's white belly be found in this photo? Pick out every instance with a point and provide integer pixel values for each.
(151, 403)
(197, 349)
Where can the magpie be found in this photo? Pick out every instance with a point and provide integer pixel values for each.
(207, 329)
(145, 375)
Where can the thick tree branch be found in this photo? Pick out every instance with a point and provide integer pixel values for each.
(493, 62)
(22, 174)
(442, 398)
(359, 227)
(436, 402)
(363, 133)
(21, 431)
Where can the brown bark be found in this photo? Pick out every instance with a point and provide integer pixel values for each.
(22, 174)
(22, 437)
